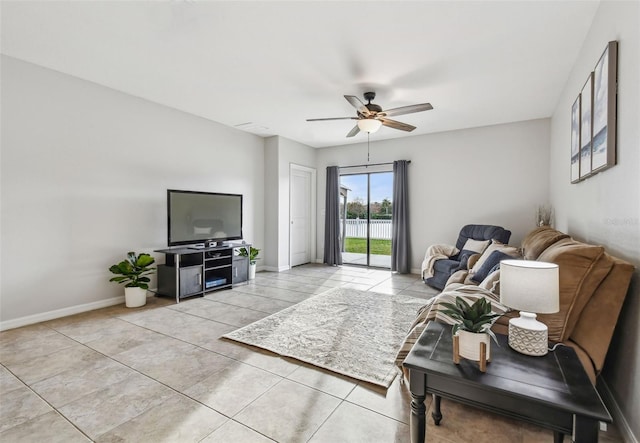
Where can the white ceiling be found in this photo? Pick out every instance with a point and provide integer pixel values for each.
(275, 64)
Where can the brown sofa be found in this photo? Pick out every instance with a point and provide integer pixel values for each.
(593, 285)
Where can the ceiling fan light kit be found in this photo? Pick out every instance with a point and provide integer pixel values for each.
(371, 116)
(369, 125)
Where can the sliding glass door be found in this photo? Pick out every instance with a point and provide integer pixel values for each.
(365, 212)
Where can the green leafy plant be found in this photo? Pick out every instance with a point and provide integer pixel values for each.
(476, 318)
(133, 271)
(253, 254)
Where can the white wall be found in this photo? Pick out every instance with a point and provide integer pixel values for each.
(290, 152)
(85, 171)
(270, 250)
(605, 209)
(490, 175)
(280, 154)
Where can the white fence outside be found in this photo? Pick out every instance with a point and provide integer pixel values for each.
(380, 229)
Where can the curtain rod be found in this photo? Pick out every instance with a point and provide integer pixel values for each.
(370, 164)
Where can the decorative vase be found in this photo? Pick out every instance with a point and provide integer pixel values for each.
(252, 271)
(469, 345)
(135, 297)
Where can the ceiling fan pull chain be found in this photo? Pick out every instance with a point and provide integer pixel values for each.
(368, 135)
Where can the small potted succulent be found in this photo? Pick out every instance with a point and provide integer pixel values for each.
(473, 326)
(134, 272)
(253, 256)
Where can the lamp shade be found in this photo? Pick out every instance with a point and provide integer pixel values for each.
(369, 124)
(530, 286)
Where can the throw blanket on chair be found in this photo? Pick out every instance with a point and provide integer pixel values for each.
(433, 311)
(436, 252)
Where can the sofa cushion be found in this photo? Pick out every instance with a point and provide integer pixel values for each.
(581, 269)
(491, 262)
(540, 239)
(445, 265)
(597, 322)
(512, 251)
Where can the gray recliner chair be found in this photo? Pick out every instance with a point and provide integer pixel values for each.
(442, 269)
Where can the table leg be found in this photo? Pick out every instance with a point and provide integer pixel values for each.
(436, 414)
(585, 430)
(558, 437)
(417, 386)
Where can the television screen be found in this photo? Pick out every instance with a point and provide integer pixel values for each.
(201, 217)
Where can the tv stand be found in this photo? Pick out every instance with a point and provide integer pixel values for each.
(193, 271)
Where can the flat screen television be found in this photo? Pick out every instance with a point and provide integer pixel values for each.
(202, 218)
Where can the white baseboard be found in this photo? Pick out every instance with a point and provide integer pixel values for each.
(618, 417)
(275, 268)
(58, 313)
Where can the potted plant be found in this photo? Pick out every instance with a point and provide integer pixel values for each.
(473, 326)
(133, 272)
(253, 256)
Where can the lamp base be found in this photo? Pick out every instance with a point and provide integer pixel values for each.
(528, 336)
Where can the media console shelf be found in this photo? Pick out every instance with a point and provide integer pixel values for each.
(190, 272)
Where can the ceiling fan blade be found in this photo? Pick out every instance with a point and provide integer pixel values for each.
(397, 125)
(354, 131)
(331, 118)
(356, 103)
(406, 110)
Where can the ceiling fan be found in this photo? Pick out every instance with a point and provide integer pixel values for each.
(371, 116)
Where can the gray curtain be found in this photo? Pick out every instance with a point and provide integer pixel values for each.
(332, 253)
(400, 251)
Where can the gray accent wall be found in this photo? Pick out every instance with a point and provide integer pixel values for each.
(605, 209)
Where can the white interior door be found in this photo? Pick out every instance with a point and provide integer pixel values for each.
(300, 210)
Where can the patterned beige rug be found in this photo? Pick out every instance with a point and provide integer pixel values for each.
(354, 333)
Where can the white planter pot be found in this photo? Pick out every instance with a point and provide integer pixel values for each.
(469, 345)
(135, 297)
(252, 271)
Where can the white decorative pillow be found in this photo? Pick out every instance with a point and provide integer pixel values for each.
(475, 245)
(495, 246)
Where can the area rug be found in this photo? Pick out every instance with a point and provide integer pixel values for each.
(350, 332)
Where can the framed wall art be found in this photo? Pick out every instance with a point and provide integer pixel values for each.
(575, 141)
(586, 99)
(603, 146)
(593, 119)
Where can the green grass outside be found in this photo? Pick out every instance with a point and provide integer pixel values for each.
(359, 246)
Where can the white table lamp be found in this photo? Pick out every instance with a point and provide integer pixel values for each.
(530, 287)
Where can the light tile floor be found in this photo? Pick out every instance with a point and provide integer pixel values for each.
(161, 373)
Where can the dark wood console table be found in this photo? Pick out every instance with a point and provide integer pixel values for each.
(553, 391)
(189, 272)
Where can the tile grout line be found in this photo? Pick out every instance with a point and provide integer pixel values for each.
(117, 315)
(53, 408)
